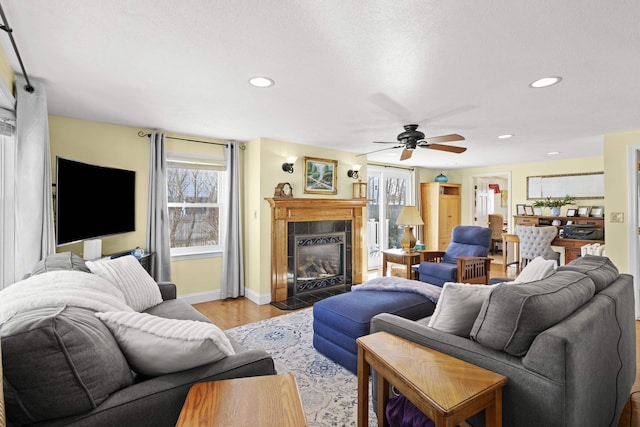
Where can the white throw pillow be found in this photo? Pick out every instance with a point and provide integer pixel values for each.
(156, 346)
(140, 290)
(458, 307)
(537, 269)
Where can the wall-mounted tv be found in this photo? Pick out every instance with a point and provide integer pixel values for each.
(93, 201)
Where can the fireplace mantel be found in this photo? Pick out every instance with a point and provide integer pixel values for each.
(289, 209)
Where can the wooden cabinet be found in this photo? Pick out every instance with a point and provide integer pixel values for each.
(440, 207)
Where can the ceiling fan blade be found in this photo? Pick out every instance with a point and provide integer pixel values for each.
(385, 142)
(449, 148)
(406, 154)
(445, 138)
(382, 149)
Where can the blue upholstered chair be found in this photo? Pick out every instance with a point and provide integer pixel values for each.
(464, 261)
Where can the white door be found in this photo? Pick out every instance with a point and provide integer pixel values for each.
(389, 190)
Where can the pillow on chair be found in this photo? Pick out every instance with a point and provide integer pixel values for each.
(536, 269)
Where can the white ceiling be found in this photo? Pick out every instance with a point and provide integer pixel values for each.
(347, 72)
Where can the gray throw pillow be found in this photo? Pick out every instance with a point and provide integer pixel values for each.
(513, 315)
(60, 261)
(59, 362)
(599, 268)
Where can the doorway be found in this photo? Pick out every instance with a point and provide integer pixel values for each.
(389, 190)
(491, 196)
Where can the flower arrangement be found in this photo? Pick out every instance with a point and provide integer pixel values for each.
(555, 204)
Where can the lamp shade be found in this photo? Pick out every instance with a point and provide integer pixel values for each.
(409, 216)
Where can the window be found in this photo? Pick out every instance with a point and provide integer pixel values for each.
(194, 186)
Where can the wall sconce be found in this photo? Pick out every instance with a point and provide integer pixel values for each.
(353, 173)
(288, 165)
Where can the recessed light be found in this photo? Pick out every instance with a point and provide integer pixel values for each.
(546, 82)
(553, 153)
(261, 82)
(505, 136)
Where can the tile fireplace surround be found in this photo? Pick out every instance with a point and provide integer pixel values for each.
(286, 209)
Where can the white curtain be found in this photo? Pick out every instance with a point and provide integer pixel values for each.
(34, 230)
(7, 202)
(232, 285)
(157, 211)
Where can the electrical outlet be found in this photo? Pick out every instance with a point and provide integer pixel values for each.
(617, 216)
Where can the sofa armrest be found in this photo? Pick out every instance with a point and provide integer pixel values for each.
(158, 401)
(431, 256)
(167, 290)
(522, 402)
(473, 269)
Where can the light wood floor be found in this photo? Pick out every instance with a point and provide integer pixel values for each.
(230, 313)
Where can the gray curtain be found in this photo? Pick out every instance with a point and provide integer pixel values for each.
(34, 235)
(157, 211)
(232, 261)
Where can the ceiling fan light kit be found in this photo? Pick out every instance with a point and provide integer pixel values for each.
(412, 138)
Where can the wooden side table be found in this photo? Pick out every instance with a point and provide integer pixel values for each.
(399, 256)
(446, 389)
(270, 400)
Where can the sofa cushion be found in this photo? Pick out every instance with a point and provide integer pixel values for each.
(58, 362)
(60, 261)
(140, 290)
(155, 346)
(458, 307)
(599, 268)
(513, 315)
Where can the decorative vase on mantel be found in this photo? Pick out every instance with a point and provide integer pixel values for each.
(555, 211)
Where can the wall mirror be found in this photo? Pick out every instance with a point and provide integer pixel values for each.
(588, 185)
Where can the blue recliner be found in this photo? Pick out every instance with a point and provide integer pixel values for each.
(464, 261)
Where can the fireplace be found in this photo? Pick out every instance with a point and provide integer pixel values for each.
(320, 256)
(323, 221)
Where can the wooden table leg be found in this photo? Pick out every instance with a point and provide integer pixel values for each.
(493, 413)
(383, 398)
(504, 252)
(363, 389)
(384, 264)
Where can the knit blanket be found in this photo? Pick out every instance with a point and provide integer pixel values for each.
(399, 284)
(61, 288)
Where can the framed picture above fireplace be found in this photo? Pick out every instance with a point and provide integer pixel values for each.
(320, 176)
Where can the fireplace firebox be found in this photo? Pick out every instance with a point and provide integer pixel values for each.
(319, 256)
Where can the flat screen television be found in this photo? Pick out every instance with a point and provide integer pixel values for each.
(93, 201)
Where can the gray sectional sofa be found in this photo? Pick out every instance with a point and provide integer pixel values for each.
(62, 366)
(566, 343)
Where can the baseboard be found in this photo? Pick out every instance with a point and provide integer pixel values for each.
(256, 297)
(200, 297)
(215, 295)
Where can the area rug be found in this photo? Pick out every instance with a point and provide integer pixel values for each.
(329, 392)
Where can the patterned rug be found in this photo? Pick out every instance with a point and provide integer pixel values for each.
(329, 392)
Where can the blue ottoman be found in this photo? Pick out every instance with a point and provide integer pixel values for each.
(340, 319)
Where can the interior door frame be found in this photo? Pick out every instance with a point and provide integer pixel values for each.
(472, 181)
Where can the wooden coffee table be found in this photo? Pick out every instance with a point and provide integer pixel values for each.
(446, 389)
(270, 400)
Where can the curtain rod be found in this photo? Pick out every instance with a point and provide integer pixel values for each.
(391, 166)
(141, 134)
(9, 31)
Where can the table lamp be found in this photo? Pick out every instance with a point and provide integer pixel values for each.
(409, 217)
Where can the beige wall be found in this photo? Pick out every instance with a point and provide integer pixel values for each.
(616, 169)
(6, 72)
(263, 172)
(121, 147)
